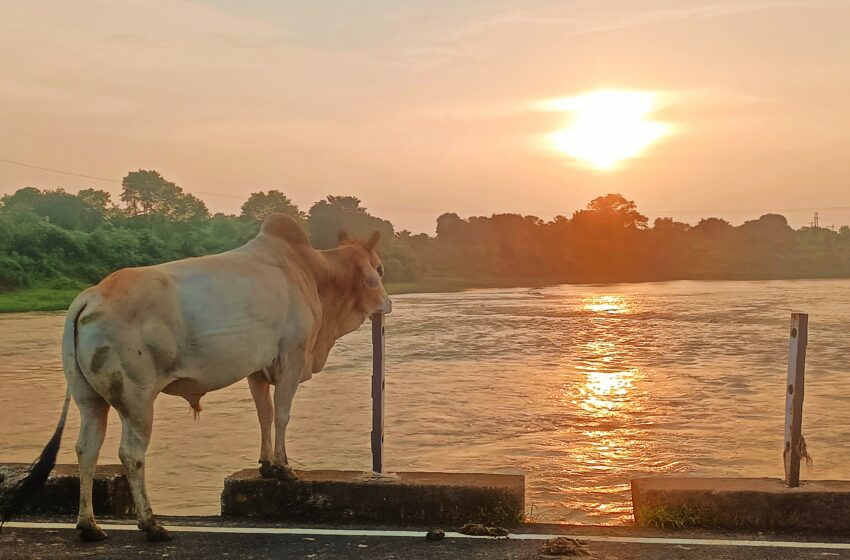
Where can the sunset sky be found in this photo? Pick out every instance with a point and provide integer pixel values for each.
(423, 107)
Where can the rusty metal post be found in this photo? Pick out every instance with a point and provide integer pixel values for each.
(794, 391)
(378, 385)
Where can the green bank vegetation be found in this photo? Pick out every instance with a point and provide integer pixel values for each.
(46, 297)
(53, 243)
(679, 517)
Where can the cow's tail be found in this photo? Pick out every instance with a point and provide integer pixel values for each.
(38, 472)
(36, 478)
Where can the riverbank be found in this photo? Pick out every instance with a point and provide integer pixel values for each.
(51, 298)
(39, 298)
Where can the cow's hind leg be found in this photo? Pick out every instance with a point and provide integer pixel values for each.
(137, 424)
(265, 413)
(93, 414)
(94, 411)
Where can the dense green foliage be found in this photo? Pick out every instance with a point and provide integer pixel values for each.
(59, 240)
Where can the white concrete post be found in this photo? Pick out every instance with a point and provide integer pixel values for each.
(794, 398)
(378, 392)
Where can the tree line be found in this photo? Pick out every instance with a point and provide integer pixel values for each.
(59, 239)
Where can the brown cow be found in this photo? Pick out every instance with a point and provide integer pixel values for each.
(270, 311)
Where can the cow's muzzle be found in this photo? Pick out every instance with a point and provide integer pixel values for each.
(386, 307)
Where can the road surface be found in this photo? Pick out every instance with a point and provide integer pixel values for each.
(203, 540)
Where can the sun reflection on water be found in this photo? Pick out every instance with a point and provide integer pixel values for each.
(606, 304)
(605, 393)
(605, 399)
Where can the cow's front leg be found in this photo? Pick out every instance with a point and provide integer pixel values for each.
(260, 385)
(284, 392)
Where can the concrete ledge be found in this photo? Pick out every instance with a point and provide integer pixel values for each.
(110, 492)
(741, 503)
(351, 496)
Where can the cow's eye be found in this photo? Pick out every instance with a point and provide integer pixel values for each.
(380, 270)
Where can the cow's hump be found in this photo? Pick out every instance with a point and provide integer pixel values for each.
(284, 227)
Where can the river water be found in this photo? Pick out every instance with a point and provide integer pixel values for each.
(579, 387)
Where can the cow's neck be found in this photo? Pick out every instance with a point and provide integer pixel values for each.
(337, 289)
(334, 273)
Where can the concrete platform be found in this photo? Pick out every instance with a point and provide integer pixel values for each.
(110, 492)
(741, 503)
(351, 496)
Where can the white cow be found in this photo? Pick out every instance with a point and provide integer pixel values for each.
(270, 311)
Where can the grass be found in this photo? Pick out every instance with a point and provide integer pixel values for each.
(40, 298)
(499, 515)
(663, 517)
(532, 516)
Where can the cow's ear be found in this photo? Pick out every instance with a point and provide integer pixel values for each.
(342, 235)
(373, 240)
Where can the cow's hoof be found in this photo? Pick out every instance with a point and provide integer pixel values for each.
(91, 533)
(158, 533)
(284, 473)
(266, 470)
(287, 473)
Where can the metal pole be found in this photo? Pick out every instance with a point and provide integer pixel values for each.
(378, 392)
(794, 398)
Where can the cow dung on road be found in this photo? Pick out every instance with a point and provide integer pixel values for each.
(564, 546)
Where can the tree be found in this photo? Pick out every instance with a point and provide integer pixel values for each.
(615, 210)
(670, 225)
(97, 199)
(767, 226)
(261, 204)
(450, 227)
(712, 228)
(147, 193)
(327, 217)
(25, 198)
(56, 206)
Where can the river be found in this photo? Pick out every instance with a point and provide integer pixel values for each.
(579, 387)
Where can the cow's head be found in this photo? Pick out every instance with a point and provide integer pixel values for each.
(356, 291)
(366, 272)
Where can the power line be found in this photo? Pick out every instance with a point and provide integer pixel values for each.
(22, 164)
(83, 175)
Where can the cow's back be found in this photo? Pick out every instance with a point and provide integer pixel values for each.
(206, 321)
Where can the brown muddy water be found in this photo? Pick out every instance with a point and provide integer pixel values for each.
(579, 387)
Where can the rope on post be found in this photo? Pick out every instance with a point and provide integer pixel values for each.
(378, 385)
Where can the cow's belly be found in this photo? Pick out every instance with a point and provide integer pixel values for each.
(214, 360)
(233, 324)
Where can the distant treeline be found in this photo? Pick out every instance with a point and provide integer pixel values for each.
(54, 238)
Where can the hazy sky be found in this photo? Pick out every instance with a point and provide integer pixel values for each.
(422, 107)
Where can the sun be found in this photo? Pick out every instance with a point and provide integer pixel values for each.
(608, 126)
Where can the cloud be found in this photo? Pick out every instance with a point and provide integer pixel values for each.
(582, 18)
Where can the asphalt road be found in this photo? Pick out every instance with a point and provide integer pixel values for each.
(51, 543)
